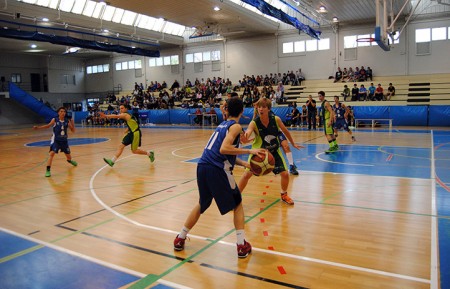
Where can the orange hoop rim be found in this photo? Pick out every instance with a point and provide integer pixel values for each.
(365, 39)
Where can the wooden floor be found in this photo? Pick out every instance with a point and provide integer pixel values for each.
(344, 231)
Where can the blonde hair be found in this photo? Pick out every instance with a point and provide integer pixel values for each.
(265, 102)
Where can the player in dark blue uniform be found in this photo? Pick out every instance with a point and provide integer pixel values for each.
(215, 178)
(59, 140)
(340, 113)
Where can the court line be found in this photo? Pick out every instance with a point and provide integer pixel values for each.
(217, 240)
(434, 240)
(341, 163)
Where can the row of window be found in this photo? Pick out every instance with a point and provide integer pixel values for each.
(203, 56)
(165, 60)
(306, 45)
(432, 34)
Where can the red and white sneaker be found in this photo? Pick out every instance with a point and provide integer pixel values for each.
(178, 244)
(244, 249)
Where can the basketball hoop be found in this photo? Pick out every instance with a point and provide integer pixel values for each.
(366, 39)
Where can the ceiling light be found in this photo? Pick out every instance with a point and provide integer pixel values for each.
(33, 45)
(322, 9)
(216, 8)
(335, 19)
(45, 19)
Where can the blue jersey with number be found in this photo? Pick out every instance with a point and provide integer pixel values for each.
(211, 154)
(60, 130)
(339, 111)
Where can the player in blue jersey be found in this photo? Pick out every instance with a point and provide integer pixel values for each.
(340, 118)
(59, 140)
(215, 179)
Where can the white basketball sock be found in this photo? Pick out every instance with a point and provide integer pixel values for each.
(289, 157)
(183, 233)
(240, 236)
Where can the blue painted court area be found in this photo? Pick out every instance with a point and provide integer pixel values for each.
(409, 162)
(72, 142)
(48, 268)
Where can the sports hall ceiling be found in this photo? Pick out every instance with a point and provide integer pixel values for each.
(231, 21)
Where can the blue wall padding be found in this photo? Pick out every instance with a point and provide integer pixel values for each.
(370, 112)
(409, 115)
(31, 102)
(439, 115)
(401, 115)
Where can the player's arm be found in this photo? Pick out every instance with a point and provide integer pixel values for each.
(228, 148)
(52, 122)
(331, 111)
(287, 133)
(71, 125)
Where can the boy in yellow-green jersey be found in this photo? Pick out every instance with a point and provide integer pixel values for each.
(132, 137)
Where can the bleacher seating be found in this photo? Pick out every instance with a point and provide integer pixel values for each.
(433, 89)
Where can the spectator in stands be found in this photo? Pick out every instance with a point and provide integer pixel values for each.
(362, 95)
(175, 84)
(300, 76)
(303, 115)
(391, 92)
(351, 75)
(356, 74)
(355, 92)
(345, 74)
(312, 112)
(369, 73)
(295, 119)
(362, 74)
(338, 75)
(379, 92)
(371, 89)
(346, 92)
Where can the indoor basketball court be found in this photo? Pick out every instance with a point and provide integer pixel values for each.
(367, 214)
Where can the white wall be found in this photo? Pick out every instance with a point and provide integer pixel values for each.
(64, 65)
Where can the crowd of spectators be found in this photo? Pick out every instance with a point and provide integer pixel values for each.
(350, 75)
(365, 94)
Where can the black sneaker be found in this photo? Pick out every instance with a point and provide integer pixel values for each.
(293, 170)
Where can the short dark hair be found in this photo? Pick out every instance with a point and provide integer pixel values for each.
(235, 106)
(62, 107)
(322, 93)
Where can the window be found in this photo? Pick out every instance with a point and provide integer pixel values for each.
(288, 47)
(198, 57)
(423, 35)
(299, 46)
(189, 58)
(137, 64)
(152, 62)
(166, 60)
(174, 60)
(311, 45)
(89, 70)
(350, 41)
(124, 65)
(207, 56)
(131, 64)
(438, 33)
(324, 44)
(95, 69)
(448, 34)
(118, 66)
(215, 55)
(16, 78)
(159, 61)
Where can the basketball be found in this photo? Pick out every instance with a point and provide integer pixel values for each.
(261, 167)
